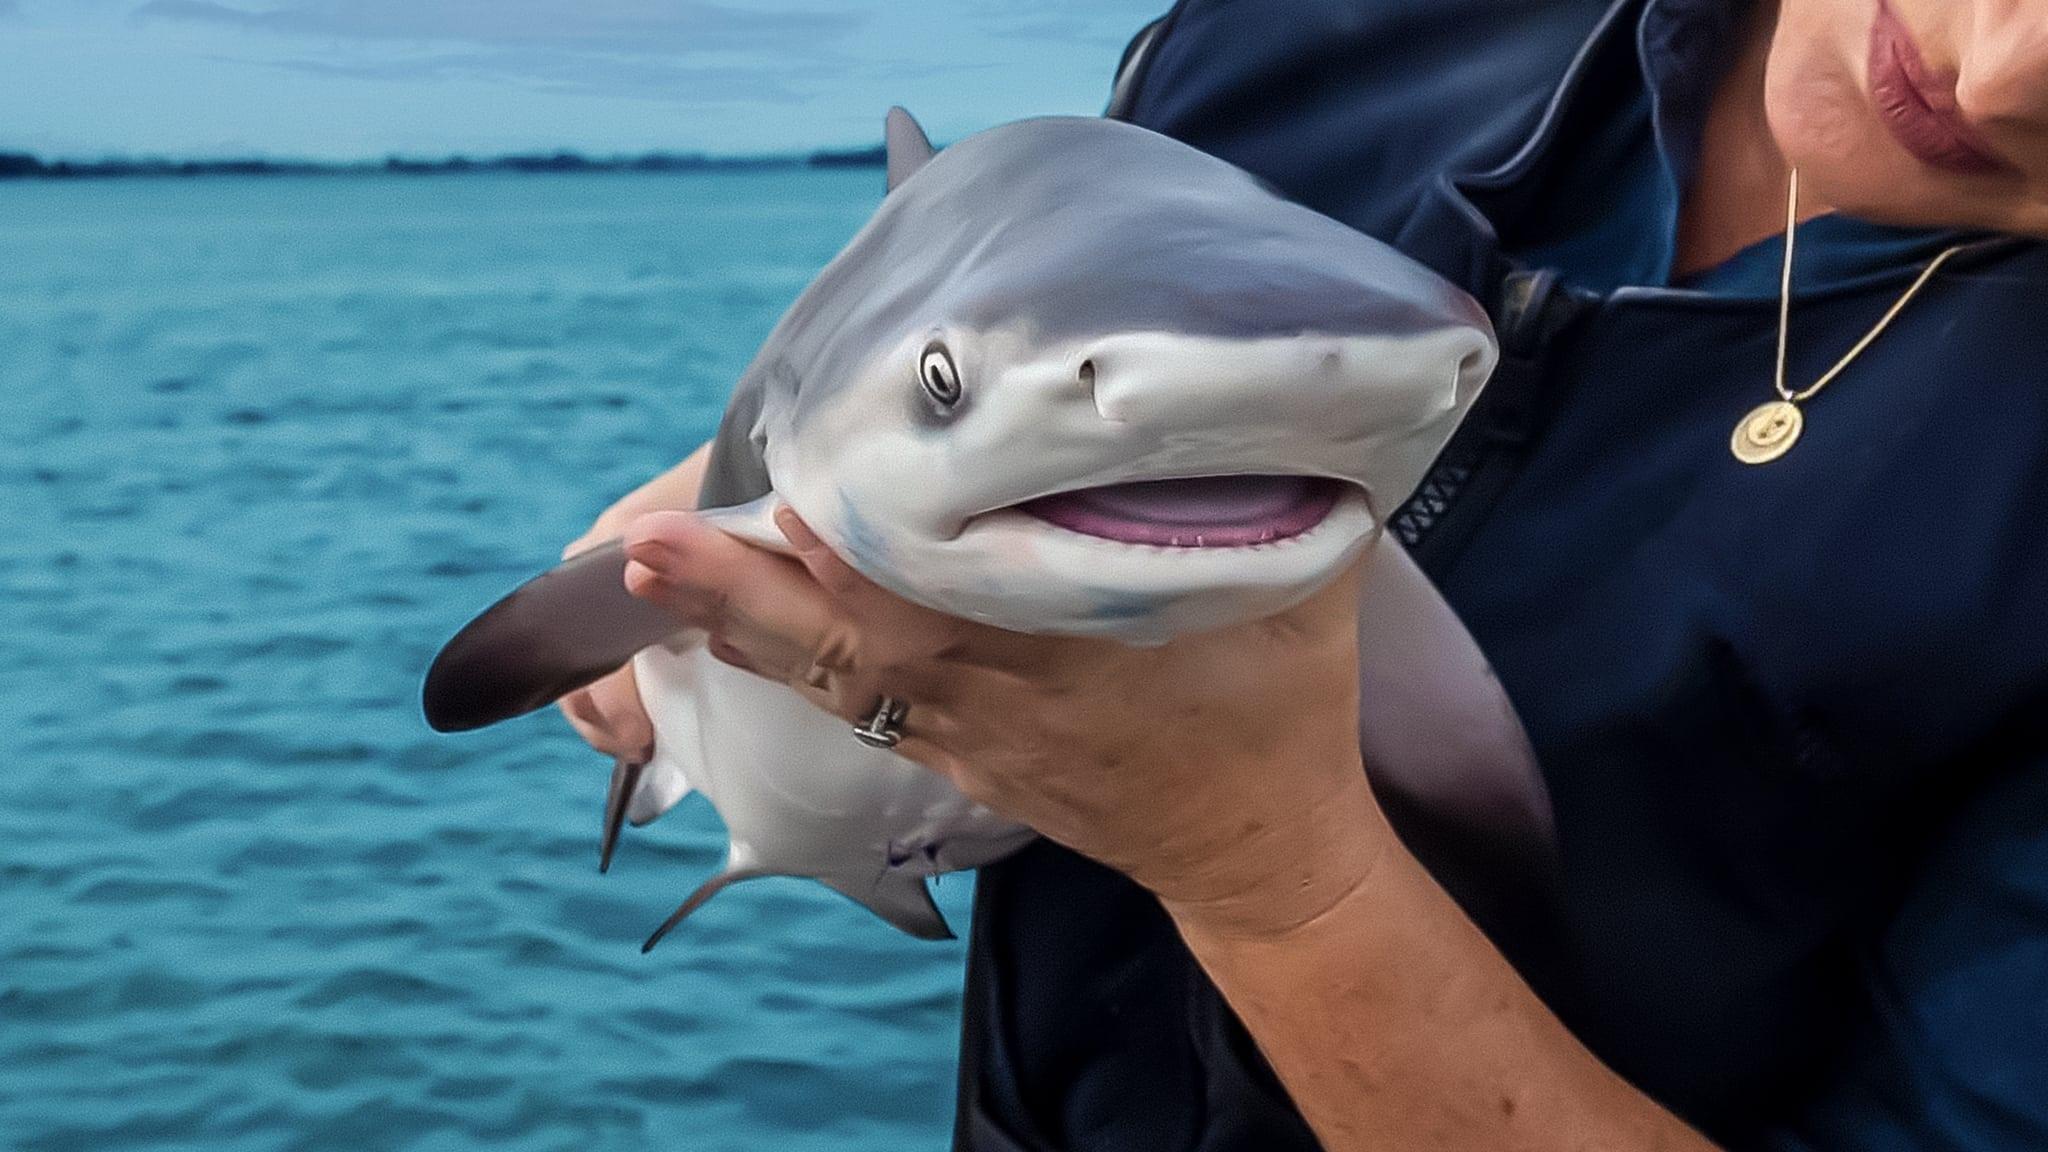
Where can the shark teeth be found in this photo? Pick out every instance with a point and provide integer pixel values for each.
(1219, 512)
(1188, 548)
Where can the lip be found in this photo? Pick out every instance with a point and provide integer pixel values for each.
(1918, 104)
(1194, 512)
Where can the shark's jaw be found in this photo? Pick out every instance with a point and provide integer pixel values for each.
(1146, 576)
(1186, 483)
(1194, 512)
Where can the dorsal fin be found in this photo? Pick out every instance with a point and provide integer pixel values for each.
(909, 148)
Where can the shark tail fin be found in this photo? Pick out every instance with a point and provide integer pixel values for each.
(902, 899)
(739, 866)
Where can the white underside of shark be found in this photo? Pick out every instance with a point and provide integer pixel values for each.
(1076, 379)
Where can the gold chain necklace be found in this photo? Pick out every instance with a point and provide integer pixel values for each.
(1770, 430)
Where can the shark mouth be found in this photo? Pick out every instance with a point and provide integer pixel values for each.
(1204, 512)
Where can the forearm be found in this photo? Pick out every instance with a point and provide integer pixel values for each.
(1395, 1024)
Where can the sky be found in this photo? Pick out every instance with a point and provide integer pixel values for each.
(353, 79)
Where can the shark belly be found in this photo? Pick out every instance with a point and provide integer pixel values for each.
(799, 796)
(1073, 378)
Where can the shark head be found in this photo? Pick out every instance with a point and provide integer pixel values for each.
(1077, 377)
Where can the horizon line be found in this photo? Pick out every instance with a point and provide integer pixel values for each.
(19, 165)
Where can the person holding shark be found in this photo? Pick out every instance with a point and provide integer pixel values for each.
(1747, 531)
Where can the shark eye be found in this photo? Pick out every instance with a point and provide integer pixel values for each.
(941, 379)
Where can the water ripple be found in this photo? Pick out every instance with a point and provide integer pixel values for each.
(281, 441)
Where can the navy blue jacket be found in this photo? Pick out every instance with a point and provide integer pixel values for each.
(1794, 718)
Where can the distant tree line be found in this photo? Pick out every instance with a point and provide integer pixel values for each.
(27, 166)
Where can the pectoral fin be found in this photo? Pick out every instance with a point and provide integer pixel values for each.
(625, 781)
(735, 870)
(902, 899)
(558, 632)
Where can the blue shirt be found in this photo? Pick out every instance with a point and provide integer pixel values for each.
(1794, 719)
(1607, 216)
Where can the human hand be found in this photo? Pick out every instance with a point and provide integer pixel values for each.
(1221, 770)
(608, 714)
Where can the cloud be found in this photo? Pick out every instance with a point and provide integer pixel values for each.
(682, 51)
(1061, 21)
(646, 78)
(621, 27)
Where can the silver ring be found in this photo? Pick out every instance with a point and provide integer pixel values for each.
(884, 729)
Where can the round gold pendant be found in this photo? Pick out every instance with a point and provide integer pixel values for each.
(1768, 432)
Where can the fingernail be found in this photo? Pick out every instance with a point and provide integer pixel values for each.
(794, 529)
(644, 582)
(658, 555)
(727, 654)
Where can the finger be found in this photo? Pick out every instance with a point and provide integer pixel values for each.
(583, 715)
(725, 653)
(859, 596)
(907, 627)
(724, 585)
(766, 612)
(657, 570)
(927, 715)
(936, 756)
(617, 698)
(847, 679)
(600, 534)
(836, 576)
(609, 717)
(838, 695)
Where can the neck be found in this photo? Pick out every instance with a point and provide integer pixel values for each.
(1738, 193)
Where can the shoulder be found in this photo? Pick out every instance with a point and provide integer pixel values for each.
(1351, 105)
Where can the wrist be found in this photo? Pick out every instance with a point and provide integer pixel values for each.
(1274, 881)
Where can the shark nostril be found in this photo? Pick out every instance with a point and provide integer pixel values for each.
(1088, 375)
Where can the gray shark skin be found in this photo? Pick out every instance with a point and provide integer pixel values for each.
(1074, 378)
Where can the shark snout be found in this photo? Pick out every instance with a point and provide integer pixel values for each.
(1155, 379)
(1342, 387)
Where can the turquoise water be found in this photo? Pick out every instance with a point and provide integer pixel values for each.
(263, 445)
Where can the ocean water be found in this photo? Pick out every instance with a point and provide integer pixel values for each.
(264, 444)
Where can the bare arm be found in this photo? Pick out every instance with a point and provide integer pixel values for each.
(1222, 772)
(1395, 1024)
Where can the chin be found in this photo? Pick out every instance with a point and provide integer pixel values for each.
(1898, 190)
(1821, 114)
